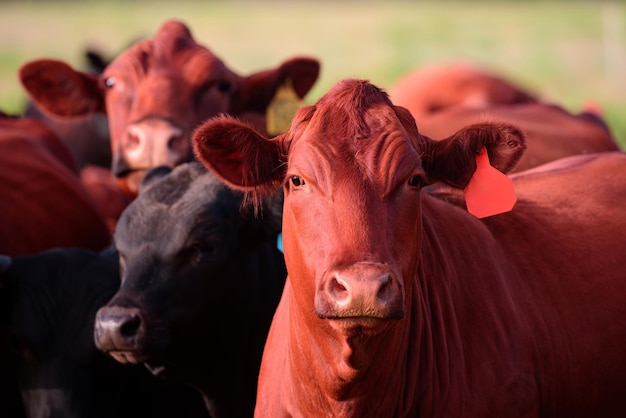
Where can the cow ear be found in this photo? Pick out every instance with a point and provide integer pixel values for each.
(303, 73)
(60, 90)
(453, 160)
(239, 156)
(261, 87)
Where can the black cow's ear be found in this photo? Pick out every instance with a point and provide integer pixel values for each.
(273, 212)
(263, 223)
(153, 175)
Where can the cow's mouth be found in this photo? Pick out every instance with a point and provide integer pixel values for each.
(362, 326)
(130, 180)
(129, 357)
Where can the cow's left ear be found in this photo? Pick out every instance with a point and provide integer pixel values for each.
(60, 90)
(239, 156)
(259, 89)
(453, 160)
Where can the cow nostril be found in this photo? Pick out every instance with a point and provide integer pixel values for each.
(385, 291)
(338, 290)
(130, 326)
(177, 142)
(132, 140)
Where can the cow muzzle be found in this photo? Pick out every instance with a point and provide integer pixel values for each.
(361, 292)
(120, 332)
(151, 142)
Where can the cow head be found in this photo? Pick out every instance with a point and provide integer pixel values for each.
(191, 295)
(352, 167)
(156, 92)
(48, 303)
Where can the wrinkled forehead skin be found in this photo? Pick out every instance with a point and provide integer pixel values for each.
(354, 151)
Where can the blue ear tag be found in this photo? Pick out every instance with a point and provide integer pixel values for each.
(279, 242)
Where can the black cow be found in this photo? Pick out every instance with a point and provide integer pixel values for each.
(201, 278)
(48, 302)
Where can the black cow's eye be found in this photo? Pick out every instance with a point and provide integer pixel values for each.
(297, 181)
(415, 181)
(223, 86)
(202, 250)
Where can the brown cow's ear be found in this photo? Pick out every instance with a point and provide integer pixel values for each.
(259, 89)
(60, 90)
(238, 155)
(303, 73)
(453, 160)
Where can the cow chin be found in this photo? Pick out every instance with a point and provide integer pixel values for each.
(132, 180)
(355, 327)
(128, 357)
(156, 370)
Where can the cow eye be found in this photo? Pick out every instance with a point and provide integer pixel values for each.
(297, 181)
(415, 181)
(202, 250)
(223, 86)
(109, 82)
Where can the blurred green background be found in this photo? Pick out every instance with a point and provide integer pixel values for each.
(567, 52)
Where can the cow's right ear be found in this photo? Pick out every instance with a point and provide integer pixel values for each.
(60, 90)
(240, 156)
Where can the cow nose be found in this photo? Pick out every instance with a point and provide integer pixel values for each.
(155, 142)
(361, 290)
(118, 328)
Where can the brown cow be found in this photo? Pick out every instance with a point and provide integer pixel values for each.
(43, 204)
(446, 98)
(433, 88)
(402, 304)
(156, 92)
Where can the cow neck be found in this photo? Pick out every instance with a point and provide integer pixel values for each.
(320, 362)
(263, 266)
(463, 316)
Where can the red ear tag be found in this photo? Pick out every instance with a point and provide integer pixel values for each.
(489, 191)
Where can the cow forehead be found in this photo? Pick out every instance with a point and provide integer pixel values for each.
(374, 145)
(177, 209)
(192, 62)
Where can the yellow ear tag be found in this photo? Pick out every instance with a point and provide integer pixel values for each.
(489, 191)
(282, 109)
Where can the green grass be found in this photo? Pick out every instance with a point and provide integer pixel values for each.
(567, 52)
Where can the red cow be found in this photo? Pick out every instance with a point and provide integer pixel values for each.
(156, 92)
(44, 204)
(444, 99)
(399, 303)
(433, 88)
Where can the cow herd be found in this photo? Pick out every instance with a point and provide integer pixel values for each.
(451, 248)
